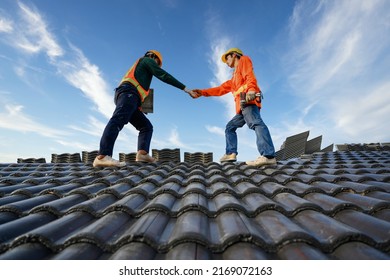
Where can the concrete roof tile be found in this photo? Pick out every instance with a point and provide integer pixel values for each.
(333, 205)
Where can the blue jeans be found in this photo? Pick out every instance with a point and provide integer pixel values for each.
(126, 111)
(250, 116)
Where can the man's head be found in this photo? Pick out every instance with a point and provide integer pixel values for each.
(155, 55)
(229, 56)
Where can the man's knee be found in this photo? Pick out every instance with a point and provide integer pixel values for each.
(119, 120)
(147, 127)
(229, 127)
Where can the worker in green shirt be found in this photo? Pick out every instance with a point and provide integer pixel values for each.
(129, 95)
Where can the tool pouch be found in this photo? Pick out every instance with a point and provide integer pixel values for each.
(242, 100)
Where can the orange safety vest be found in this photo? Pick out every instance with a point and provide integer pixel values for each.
(129, 77)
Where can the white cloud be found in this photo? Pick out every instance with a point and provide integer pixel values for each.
(215, 130)
(338, 67)
(219, 43)
(74, 145)
(14, 118)
(222, 72)
(32, 34)
(6, 26)
(174, 139)
(84, 75)
(94, 127)
(369, 112)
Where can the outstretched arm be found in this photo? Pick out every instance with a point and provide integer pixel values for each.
(215, 91)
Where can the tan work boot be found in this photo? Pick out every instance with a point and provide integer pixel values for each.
(262, 160)
(140, 157)
(229, 158)
(106, 161)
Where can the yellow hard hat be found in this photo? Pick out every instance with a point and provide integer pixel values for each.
(158, 54)
(232, 50)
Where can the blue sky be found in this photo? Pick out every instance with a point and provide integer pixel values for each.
(323, 66)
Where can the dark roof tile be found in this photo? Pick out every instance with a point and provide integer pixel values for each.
(358, 251)
(191, 201)
(245, 251)
(134, 251)
(376, 229)
(368, 204)
(302, 189)
(383, 214)
(59, 206)
(323, 206)
(301, 251)
(379, 195)
(18, 227)
(53, 235)
(6, 216)
(27, 251)
(131, 204)
(12, 198)
(95, 206)
(330, 204)
(92, 189)
(22, 207)
(292, 203)
(187, 251)
(34, 190)
(152, 228)
(61, 190)
(327, 231)
(103, 232)
(78, 251)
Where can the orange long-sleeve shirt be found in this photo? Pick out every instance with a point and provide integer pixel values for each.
(243, 80)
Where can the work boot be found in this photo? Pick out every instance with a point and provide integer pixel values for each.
(229, 158)
(144, 158)
(107, 161)
(262, 160)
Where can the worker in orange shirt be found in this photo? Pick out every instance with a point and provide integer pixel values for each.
(243, 84)
(131, 92)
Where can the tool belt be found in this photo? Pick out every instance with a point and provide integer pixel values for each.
(243, 102)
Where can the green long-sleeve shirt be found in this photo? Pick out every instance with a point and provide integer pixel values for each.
(147, 68)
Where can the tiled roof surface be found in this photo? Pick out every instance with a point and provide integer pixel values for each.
(330, 206)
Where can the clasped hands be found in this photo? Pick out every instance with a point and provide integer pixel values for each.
(194, 93)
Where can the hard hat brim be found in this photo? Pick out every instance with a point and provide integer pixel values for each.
(236, 50)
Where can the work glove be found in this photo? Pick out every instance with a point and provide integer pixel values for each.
(250, 96)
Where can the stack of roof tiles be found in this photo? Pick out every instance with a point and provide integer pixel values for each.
(364, 147)
(198, 157)
(31, 160)
(331, 206)
(130, 157)
(166, 155)
(89, 157)
(298, 145)
(66, 158)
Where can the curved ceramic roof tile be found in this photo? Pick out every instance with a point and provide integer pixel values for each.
(326, 206)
